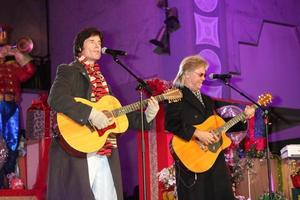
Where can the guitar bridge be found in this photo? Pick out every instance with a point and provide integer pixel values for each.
(202, 146)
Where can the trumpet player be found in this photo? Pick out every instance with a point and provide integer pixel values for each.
(16, 67)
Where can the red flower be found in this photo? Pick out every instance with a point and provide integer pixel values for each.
(158, 86)
(259, 144)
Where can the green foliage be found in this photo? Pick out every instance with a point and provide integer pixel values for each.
(273, 196)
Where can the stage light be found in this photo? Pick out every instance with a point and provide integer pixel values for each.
(171, 24)
(158, 41)
(162, 41)
(162, 3)
(171, 20)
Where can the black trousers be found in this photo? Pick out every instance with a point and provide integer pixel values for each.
(8, 167)
(214, 184)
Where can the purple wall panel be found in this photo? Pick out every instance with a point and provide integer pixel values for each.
(273, 65)
(244, 20)
(263, 46)
(276, 47)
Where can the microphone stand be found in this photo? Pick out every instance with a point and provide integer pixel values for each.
(141, 85)
(266, 123)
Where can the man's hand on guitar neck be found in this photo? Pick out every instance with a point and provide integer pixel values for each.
(249, 111)
(206, 137)
(151, 109)
(99, 119)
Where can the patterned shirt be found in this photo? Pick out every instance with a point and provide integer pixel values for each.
(99, 89)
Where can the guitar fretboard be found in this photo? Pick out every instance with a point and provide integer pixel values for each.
(135, 106)
(240, 117)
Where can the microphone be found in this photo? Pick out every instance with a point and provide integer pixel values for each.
(113, 52)
(220, 76)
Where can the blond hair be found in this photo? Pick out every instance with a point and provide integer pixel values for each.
(188, 64)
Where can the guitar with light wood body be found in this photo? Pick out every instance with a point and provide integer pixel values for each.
(86, 138)
(198, 157)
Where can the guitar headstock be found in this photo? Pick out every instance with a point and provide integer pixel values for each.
(173, 95)
(265, 99)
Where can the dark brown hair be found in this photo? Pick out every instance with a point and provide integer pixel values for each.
(82, 36)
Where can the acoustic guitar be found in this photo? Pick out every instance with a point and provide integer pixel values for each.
(198, 157)
(86, 138)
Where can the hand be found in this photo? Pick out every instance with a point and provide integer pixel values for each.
(4, 51)
(3, 36)
(99, 119)
(206, 137)
(249, 112)
(151, 109)
(21, 58)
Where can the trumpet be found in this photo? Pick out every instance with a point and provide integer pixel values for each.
(24, 45)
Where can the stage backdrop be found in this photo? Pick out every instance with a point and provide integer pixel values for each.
(229, 33)
(256, 39)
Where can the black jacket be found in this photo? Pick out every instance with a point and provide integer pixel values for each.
(68, 175)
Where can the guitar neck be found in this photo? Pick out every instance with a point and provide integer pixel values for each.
(134, 106)
(232, 122)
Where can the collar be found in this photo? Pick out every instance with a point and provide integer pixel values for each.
(90, 68)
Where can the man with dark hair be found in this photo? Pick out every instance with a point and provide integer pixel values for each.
(15, 68)
(95, 175)
(80, 38)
